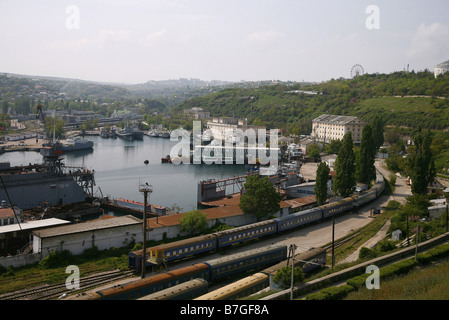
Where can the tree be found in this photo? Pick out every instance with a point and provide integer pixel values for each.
(314, 150)
(259, 197)
(344, 182)
(365, 170)
(193, 222)
(283, 276)
(421, 162)
(378, 132)
(333, 147)
(54, 126)
(322, 177)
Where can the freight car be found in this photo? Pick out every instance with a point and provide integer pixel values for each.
(211, 271)
(183, 291)
(215, 241)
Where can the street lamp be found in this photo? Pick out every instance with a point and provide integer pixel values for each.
(145, 189)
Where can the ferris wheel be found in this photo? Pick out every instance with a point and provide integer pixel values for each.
(357, 70)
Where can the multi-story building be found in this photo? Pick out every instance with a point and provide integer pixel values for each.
(197, 113)
(222, 127)
(441, 68)
(329, 127)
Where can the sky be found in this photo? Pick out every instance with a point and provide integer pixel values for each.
(134, 41)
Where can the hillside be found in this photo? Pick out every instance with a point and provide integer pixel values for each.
(292, 107)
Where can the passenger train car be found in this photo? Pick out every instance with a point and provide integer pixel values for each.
(307, 261)
(215, 241)
(238, 289)
(183, 291)
(211, 271)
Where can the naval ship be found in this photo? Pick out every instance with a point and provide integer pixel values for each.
(51, 183)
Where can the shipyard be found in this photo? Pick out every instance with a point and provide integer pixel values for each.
(315, 168)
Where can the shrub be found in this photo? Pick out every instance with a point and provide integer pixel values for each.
(366, 253)
(56, 259)
(91, 252)
(386, 245)
(358, 282)
(331, 293)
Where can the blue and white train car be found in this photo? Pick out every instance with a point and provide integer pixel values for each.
(244, 261)
(365, 197)
(298, 218)
(333, 208)
(245, 233)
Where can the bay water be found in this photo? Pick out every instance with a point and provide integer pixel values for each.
(119, 169)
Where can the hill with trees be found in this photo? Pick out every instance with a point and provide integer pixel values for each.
(400, 99)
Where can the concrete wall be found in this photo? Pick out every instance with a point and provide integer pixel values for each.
(76, 243)
(20, 260)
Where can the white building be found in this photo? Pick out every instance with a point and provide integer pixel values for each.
(102, 233)
(441, 68)
(331, 127)
(220, 128)
(197, 113)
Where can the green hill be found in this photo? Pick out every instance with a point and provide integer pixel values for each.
(400, 98)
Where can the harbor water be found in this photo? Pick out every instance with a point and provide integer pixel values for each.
(119, 169)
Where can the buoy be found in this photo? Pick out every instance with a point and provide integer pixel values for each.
(146, 162)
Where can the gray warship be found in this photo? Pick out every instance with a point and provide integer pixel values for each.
(48, 184)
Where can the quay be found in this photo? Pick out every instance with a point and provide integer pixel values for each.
(134, 207)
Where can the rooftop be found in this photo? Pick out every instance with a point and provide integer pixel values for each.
(333, 119)
(443, 64)
(226, 207)
(88, 226)
(30, 225)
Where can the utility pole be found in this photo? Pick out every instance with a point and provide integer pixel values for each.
(292, 250)
(333, 244)
(447, 216)
(145, 189)
(417, 240)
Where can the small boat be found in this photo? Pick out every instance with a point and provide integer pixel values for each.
(104, 134)
(166, 159)
(164, 134)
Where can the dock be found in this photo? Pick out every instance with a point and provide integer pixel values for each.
(135, 207)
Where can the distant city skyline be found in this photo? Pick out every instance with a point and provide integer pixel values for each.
(135, 41)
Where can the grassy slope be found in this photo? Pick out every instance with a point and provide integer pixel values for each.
(431, 283)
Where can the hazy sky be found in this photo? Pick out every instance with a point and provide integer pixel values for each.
(134, 41)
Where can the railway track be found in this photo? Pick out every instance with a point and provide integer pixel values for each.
(340, 242)
(48, 292)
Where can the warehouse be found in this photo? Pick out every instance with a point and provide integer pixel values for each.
(103, 233)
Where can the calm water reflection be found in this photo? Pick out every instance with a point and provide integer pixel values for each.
(119, 168)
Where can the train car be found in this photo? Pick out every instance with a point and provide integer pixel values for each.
(184, 291)
(308, 261)
(298, 218)
(336, 207)
(142, 287)
(364, 197)
(182, 249)
(239, 289)
(173, 251)
(244, 261)
(245, 233)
